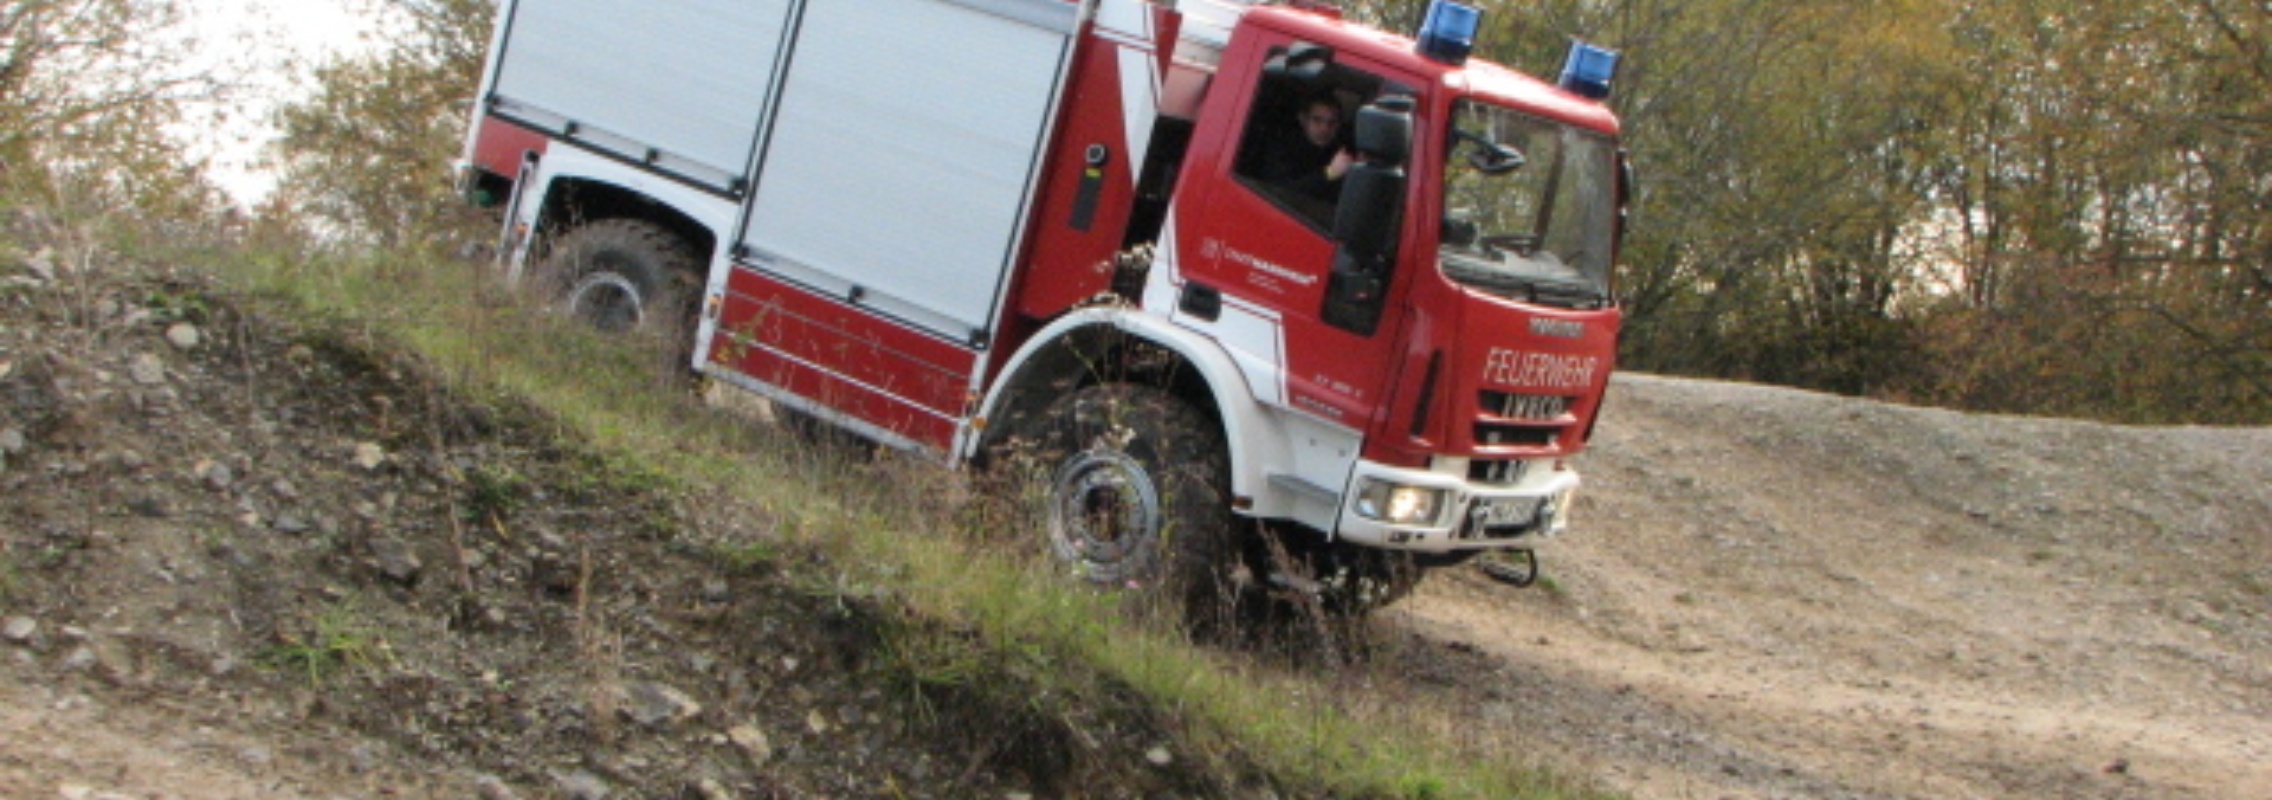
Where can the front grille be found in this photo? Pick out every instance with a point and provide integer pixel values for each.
(1526, 407)
(1494, 433)
(1522, 420)
(1502, 472)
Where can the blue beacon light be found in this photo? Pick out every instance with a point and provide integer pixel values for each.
(1447, 34)
(1589, 70)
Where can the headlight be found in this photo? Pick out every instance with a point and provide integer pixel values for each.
(1399, 505)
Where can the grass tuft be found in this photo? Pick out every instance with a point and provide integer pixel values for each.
(334, 641)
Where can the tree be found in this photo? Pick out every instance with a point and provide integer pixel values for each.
(2109, 183)
(86, 90)
(365, 156)
(1938, 199)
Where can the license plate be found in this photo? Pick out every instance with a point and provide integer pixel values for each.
(1507, 512)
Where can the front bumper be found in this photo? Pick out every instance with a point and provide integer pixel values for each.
(1463, 515)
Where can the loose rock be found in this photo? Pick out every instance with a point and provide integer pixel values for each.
(753, 744)
(369, 456)
(42, 265)
(184, 336)
(19, 630)
(581, 785)
(146, 369)
(396, 561)
(655, 705)
(711, 789)
(494, 788)
(216, 475)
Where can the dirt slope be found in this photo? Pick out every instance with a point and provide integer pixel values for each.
(1782, 594)
(244, 555)
(1769, 594)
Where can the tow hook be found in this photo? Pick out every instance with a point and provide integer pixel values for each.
(1517, 567)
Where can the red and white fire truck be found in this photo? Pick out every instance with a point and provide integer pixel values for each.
(1047, 232)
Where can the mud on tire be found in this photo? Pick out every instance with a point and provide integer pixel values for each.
(1135, 494)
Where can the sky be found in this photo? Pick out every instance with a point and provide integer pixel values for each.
(257, 42)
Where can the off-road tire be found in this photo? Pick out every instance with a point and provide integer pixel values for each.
(1137, 495)
(626, 277)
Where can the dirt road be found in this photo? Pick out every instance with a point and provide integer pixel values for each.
(1782, 594)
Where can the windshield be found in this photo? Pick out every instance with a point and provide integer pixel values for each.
(1530, 207)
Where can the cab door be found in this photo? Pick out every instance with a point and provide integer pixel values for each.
(1254, 253)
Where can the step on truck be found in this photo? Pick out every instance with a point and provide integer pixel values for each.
(1265, 298)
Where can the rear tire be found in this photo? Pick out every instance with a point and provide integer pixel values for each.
(627, 277)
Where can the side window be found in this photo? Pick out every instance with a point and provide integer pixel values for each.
(1295, 148)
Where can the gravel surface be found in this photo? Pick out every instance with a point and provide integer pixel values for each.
(1772, 593)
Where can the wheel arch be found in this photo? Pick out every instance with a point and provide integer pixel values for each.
(1110, 343)
(572, 201)
(579, 187)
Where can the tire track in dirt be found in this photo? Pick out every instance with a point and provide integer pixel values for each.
(1782, 594)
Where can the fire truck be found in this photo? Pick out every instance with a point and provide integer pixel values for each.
(1056, 234)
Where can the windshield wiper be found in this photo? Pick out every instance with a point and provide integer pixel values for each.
(1528, 287)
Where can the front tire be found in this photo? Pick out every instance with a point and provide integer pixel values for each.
(1138, 497)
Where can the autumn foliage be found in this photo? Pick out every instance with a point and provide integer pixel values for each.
(2050, 206)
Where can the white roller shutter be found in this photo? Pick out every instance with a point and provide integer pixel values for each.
(680, 84)
(901, 165)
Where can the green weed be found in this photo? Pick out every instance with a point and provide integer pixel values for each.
(190, 307)
(751, 555)
(494, 492)
(11, 578)
(336, 640)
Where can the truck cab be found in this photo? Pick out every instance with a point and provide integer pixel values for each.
(1413, 357)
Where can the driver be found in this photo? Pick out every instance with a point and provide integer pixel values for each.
(1314, 162)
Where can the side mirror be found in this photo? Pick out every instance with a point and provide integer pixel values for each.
(1368, 217)
(1384, 130)
(1365, 222)
(1372, 194)
(1489, 157)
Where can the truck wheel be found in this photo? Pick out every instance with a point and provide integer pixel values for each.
(624, 276)
(1138, 497)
